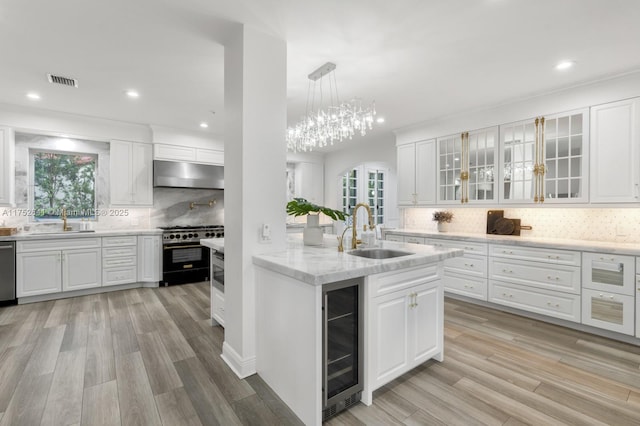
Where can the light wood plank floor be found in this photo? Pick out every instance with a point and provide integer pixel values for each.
(150, 357)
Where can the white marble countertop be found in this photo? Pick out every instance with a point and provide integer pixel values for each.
(317, 265)
(632, 249)
(214, 243)
(21, 236)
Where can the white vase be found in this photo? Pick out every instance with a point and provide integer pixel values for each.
(312, 233)
(443, 226)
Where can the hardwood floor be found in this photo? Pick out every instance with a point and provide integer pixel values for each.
(133, 357)
(150, 357)
(502, 369)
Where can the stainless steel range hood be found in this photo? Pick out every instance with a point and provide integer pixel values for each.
(174, 174)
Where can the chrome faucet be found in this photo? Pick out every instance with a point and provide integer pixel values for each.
(63, 216)
(354, 237)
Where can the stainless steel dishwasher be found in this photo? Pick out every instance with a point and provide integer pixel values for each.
(7, 272)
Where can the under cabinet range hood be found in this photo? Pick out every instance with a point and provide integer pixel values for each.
(176, 174)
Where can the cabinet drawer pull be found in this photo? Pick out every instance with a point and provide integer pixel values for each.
(612, 259)
(468, 248)
(507, 271)
(470, 265)
(507, 252)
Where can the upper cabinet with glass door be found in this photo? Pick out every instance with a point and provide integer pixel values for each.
(544, 160)
(466, 163)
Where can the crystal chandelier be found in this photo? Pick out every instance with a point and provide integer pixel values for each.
(340, 120)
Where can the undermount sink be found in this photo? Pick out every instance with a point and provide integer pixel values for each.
(378, 253)
(63, 232)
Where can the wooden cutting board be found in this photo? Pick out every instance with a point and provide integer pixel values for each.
(4, 232)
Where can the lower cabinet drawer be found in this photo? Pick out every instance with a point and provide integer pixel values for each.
(115, 276)
(551, 277)
(465, 285)
(118, 262)
(468, 247)
(119, 251)
(610, 311)
(554, 304)
(467, 264)
(414, 240)
(394, 237)
(388, 282)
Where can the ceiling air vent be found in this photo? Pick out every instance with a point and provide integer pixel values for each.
(65, 81)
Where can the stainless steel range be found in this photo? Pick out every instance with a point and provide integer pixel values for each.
(184, 260)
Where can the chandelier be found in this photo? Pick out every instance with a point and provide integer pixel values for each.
(340, 120)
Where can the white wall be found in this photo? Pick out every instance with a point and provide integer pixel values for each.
(378, 149)
(594, 93)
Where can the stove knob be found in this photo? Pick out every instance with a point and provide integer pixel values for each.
(184, 237)
(217, 235)
(172, 236)
(195, 235)
(190, 235)
(207, 235)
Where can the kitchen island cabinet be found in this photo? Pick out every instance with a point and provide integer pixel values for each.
(402, 300)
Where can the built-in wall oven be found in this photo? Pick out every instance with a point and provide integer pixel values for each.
(184, 260)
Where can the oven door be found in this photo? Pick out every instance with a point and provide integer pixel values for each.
(184, 263)
(217, 269)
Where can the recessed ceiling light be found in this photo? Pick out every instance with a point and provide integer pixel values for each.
(132, 94)
(204, 125)
(380, 120)
(33, 95)
(564, 65)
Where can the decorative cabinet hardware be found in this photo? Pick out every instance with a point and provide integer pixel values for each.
(464, 168)
(538, 166)
(545, 159)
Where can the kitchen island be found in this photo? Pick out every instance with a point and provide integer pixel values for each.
(402, 306)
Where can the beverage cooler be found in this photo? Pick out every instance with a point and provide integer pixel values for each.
(342, 331)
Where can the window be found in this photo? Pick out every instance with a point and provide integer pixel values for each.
(63, 180)
(372, 191)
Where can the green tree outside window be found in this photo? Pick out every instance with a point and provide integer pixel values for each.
(64, 180)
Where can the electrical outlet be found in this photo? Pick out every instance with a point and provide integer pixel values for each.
(621, 230)
(265, 233)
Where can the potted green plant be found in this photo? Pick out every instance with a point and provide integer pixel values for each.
(312, 234)
(444, 219)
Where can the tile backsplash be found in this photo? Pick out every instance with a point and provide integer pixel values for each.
(594, 224)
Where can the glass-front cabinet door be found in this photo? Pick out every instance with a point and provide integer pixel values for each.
(466, 166)
(544, 160)
(449, 168)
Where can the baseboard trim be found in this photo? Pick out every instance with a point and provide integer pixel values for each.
(243, 367)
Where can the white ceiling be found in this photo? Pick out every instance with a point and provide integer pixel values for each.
(419, 59)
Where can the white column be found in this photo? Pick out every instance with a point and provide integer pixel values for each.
(255, 165)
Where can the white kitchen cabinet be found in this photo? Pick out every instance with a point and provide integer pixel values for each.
(465, 275)
(638, 298)
(217, 305)
(611, 273)
(131, 171)
(615, 152)
(466, 166)
(173, 152)
(609, 311)
(149, 258)
(545, 159)
(7, 167)
(119, 260)
(309, 182)
(405, 317)
(394, 237)
(416, 179)
(189, 154)
(81, 269)
(38, 273)
(209, 156)
(52, 266)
